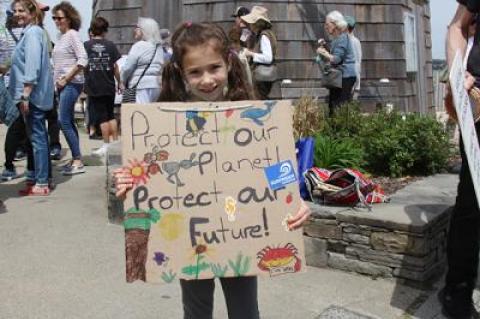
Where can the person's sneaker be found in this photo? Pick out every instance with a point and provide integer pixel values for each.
(457, 302)
(73, 170)
(9, 174)
(102, 151)
(20, 155)
(56, 154)
(35, 190)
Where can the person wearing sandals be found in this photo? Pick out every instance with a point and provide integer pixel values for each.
(31, 87)
(144, 63)
(69, 58)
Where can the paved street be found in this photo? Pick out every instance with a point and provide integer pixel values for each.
(60, 258)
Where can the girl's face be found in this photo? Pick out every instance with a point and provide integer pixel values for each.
(61, 21)
(22, 16)
(205, 72)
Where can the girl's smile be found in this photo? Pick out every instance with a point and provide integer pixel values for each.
(205, 72)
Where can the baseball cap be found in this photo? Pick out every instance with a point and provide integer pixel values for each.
(350, 21)
(240, 12)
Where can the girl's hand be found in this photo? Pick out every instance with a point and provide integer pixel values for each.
(123, 182)
(300, 217)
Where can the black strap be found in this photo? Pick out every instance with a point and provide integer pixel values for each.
(13, 35)
(145, 70)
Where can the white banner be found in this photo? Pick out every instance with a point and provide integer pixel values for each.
(465, 120)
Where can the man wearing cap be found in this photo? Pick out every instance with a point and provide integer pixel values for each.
(239, 35)
(357, 50)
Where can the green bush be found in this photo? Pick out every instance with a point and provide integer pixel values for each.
(381, 143)
(334, 153)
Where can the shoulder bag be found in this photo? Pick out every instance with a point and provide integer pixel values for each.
(332, 74)
(130, 94)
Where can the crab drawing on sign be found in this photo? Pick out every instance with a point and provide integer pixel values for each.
(258, 115)
(280, 260)
(173, 168)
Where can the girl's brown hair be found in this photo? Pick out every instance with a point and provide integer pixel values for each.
(32, 7)
(75, 21)
(195, 34)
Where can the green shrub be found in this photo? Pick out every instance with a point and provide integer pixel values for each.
(334, 153)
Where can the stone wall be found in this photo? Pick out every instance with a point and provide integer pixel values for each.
(378, 243)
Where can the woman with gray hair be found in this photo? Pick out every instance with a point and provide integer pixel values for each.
(145, 60)
(341, 56)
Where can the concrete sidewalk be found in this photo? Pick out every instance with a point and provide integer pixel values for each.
(59, 258)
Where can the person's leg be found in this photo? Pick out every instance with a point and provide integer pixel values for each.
(241, 297)
(112, 122)
(68, 97)
(53, 128)
(15, 135)
(334, 99)
(346, 90)
(263, 89)
(463, 244)
(197, 298)
(37, 133)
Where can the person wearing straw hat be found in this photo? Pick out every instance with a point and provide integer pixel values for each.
(262, 55)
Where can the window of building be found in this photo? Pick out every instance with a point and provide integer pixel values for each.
(410, 32)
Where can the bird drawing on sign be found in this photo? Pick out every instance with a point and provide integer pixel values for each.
(258, 115)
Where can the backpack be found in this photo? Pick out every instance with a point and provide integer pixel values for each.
(342, 187)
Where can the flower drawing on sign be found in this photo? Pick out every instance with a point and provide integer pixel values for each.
(230, 208)
(199, 253)
(138, 171)
(258, 115)
(160, 258)
(279, 261)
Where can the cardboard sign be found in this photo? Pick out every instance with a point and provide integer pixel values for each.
(202, 206)
(465, 120)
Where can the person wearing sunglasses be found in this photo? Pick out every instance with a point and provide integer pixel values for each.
(69, 59)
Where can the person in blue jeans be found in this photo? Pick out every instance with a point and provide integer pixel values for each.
(69, 59)
(31, 87)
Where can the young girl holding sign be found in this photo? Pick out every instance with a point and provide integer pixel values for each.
(203, 68)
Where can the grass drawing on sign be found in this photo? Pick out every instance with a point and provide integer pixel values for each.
(241, 265)
(218, 270)
(168, 277)
(200, 265)
(280, 260)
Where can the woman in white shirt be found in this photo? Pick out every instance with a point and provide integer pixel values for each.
(145, 55)
(264, 49)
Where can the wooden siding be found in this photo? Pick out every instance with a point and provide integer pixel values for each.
(298, 24)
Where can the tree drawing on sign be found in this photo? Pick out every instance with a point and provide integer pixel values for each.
(137, 224)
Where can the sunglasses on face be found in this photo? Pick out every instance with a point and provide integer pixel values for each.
(57, 18)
